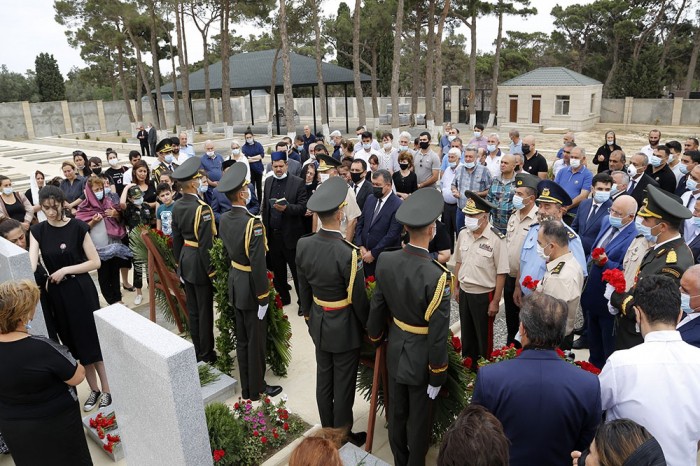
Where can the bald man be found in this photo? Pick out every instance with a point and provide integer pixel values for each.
(535, 163)
(616, 234)
(689, 326)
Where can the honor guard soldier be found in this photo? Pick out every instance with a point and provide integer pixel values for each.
(243, 235)
(659, 220)
(481, 266)
(551, 198)
(193, 232)
(335, 305)
(413, 292)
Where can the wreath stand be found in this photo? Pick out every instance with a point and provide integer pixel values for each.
(380, 372)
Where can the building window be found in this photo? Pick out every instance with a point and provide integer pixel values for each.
(592, 103)
(562, 105)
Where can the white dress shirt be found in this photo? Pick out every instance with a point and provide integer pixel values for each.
(690, 231)
(655, 385)
(446, 185)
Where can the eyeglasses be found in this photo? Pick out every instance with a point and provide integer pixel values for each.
(616, 213)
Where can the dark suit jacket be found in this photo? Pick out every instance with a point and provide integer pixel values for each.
(640, 190)
(690, 332)
(695, 249)
(142, 136)
(363, 193)
(377, 234)
(152, 136)
(292, 223)
(586, 228)
(547, 406)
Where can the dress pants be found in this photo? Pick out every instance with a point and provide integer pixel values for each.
(336, 378)
(512, 311)
(145, 150)
(473, 314)
(410, 423)
(256, 179)
(251, 337)
(200, 308)
(601, 337)
(449, 218)
(280, 257)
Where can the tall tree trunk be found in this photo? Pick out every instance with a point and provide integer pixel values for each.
(139, 103)
(162, 120)
(496, 66)
(429, 64)
(693, 64)
(273, 86)
(207, 82)
(356, 63)
(122, 83)
(184, 70)
(439, 97)
(373, 74)
(225, 72)
(396, 70)
(672, 34)
(315, 4)
(416, 64)
(288, 97)
(649, 30)
(613, 67)
(472, 71)
(176, 98)
(143, 75)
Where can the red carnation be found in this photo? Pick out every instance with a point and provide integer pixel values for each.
(278, 302)
(529, 283)
(236, 406)
(267, 400)
(467, 362)
(108, 447)
(270, 275)
(616, 278)
(263, 439)
(597, 252)
(587, 366)
(370, 279)
(276, 435)
(255, 433)
(285, 426)
(518, 351)
(561, 354)
(456, 343)
(218, 454)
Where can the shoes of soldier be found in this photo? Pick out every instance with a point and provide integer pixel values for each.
(580, 343)
(357, 438)
(273, 390)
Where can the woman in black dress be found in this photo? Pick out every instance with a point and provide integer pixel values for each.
(13, 204)
(405, 181)
(308, 174)
(602, 155)
(39, 416)
(69, 255)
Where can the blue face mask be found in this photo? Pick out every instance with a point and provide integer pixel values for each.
(203, 187)
(691, 184)
(518, 202)
(655, 161)
(168, 158)
(108, 190)
(470, 165)
(685, 304)
(452, 164)
(645, 230)
(696, 221)
(99, 195)
(683, 168)
(613, 190)
(615, 222)
(601, 196)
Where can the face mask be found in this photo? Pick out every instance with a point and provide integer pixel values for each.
(491, 147)
(655, 161)
(683, 168)
(611, 142)
(470, 165)
(250, 141)
(691, 184)
(575, 163)
(403, 166)
(168, 158)
(97, 170)
(323, 177)
(452, 164)
(387, 146)
(138, 201)
(670, 158)
(366, 145)
(645, 230)
(613, 190)
(108, 190)
(235, 151)
(540, 252)
(471, 223)
(7, 191)
(356, 177)
(403, 148)
(99, 195)
(477, 134)
(601, 196)
(113, 162)
(696, 221)
(202, 187)
(378, 192)
(451, 137)
(211, 154)
(424, 144)
(518, 202)
(526, 149)
(685, 304)
(632, 171)
(615, 222)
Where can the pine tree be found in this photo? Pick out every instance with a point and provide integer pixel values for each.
(49, 80)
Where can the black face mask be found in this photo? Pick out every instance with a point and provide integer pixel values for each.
(403, 166)
(97, 170)
(356, 177)
(526, 149)
(424, 144)
(378, 192)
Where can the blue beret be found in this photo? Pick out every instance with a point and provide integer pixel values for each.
(279, 156)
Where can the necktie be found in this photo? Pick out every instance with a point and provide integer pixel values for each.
(355, 188)
(604, 243)
(632, 185)
(593, 211)
(376, 210)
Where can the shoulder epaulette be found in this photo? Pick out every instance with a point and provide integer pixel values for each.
(661, 251)
(351, 244)
(498, 232)
(556, 270)
(671, 257)
(572, 235)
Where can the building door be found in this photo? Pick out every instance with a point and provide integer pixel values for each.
(536, 100)
(513, 115)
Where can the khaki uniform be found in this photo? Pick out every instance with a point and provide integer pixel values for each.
(352, 211)
(564, 280)
(633, 259)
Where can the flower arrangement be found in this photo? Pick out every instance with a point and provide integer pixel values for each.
(511, 352)
(529, 283)
(595, 255)
(102, 424)
(279, 329)
(616, 278)
(370, 285)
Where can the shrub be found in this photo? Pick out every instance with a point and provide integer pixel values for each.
(225, 433)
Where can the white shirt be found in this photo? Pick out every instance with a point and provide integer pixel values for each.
(647, 150)
(244, 160)
(364, 155)
(677, 171)
(558, 165)
(690, 231)
(494, 165)
(655, 385)
(128, 176)
(375, 145)
(446, 185)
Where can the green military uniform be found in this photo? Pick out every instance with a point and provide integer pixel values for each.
(334, 302)
(413, 294)
(243, 235)
(671, 258)
(193, 233)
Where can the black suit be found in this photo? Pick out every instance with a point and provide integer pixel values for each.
(284, 231)
(142, 136)
(665, 177)
(362, 193)
(152, 140)
(640, 189)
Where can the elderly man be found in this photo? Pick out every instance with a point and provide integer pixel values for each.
(617, 232)
(455, 143)
(405, 142)
(492, 157)
(255, 153)
(501, 193)
(576, 180)
(689, 326)
(535, 163)
(565, 160)
(653, 383)
(516, 144)
(620, 182)
(568, 138)
(186, 149)
(617, 161)
(336, 138)
(639, 180)
(517, 390)
(445, 142)
(659, 170)
(212, 162)
(449, 212)
(308, 137)
(469, 176)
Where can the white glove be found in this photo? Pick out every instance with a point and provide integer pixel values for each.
(609, 289)
(612, 309)
(433, 392)
(262, 310)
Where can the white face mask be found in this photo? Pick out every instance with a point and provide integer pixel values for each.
(387, 146)
(471, 223)
(470, 165)
(138, 201)
(611, 142)
(366, 145)
(235, 151)
(113, 162)
(249, 140)
(540, 252)
(451, 137)
(323, 177)
(211, 154)
(575, 163)
(632, 171)
(281, 177)
(7, 191)
(477, 134)
(403, 148)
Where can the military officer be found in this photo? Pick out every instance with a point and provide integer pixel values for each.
(165, 153)
(516, 231)
(243, 235)
(335, 305)
(414, 292)
(659, 220)
(564, 276)
(193, 232)
(481, 265)
(550, 202)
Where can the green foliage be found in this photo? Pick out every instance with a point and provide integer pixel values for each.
(225, 433)
(200, 131)
(49, 80)
(15, 88)
(86, 136)
(124, 141)
(206, 375)
(118, 133)
(226, 323)
(641, 78)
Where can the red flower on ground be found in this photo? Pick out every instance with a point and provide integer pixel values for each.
(267, 400)
(285, 426)
(109, 447)
(255, 433)
(236, 406)
(113, 438)
(275, 435)
(263, 439)
(218, 454)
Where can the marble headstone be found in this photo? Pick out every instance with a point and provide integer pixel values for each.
(15, 265)
(155, 388)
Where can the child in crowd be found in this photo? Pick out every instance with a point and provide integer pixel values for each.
(164, 213)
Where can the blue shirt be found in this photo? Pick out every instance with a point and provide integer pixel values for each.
(574, 183)
(213, 166)
(533, 265)
(188, 150)
(251, 150)
(516, 148)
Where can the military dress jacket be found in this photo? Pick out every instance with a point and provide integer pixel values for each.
(412, 304)
(245, 242)
(193, 233)
(332, 290)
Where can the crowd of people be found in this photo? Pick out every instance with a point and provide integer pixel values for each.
(334, 211)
